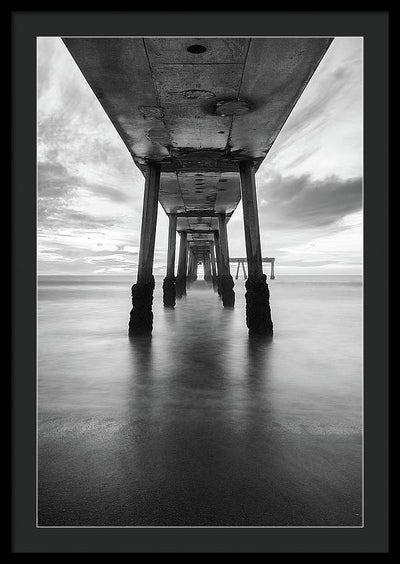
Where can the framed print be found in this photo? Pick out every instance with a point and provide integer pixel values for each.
(200, 263)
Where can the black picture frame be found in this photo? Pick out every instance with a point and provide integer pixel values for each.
(373, 537)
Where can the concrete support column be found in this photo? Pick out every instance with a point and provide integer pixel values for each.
(218, 259)
(272, 270)
(189, 273)
(226, 280)
(180, 283)
(213, 265)
(141, 316)
(192, 266)
(258, 312)
(169, 291)
(207, 268)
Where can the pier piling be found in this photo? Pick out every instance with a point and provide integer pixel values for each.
(258, 312)
(226, 280)
(180, 283)
(169, 290)
(213, 266)
(141, 315)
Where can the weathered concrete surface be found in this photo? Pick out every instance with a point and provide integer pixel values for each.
(258, 310)
(169, 290)
(180, 282)
(141, 316)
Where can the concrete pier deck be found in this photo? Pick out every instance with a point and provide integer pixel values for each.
(198, 106)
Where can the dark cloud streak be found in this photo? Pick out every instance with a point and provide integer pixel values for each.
(57, 187)
(293, 202)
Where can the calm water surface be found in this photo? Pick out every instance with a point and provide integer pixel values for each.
(199, 425)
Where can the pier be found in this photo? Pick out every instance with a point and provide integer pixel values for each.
(240, 263)
(198, 116)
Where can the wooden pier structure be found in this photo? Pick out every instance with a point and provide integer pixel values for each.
(198, 115)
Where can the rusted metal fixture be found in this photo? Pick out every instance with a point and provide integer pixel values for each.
(232, 107)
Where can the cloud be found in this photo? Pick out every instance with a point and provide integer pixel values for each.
(54, 181)
(90, 192)
(110, 193)
(56, 187)
(325, 93)
(60, 192)
(324, 133)
(299, 202)
(73, 218)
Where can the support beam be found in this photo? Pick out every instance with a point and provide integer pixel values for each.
(180, 283)
(258, 312)
(244, 270)
(226, 280)
(141, 316)
(169, 290)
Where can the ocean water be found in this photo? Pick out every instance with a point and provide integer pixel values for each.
(199, 425)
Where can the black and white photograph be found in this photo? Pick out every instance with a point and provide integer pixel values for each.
(200, 262)
(199, 282)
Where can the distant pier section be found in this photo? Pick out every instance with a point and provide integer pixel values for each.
(240, 263)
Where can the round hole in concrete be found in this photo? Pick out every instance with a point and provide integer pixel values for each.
(196, 49)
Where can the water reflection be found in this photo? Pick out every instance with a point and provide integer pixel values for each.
(195, 403)
(198, 424)
(258, 351)
(141, 355)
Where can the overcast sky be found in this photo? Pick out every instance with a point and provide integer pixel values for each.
(309, 186)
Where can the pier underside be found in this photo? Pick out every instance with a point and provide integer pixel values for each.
(198, 116)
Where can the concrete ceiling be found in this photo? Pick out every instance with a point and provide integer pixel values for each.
(198, 106)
